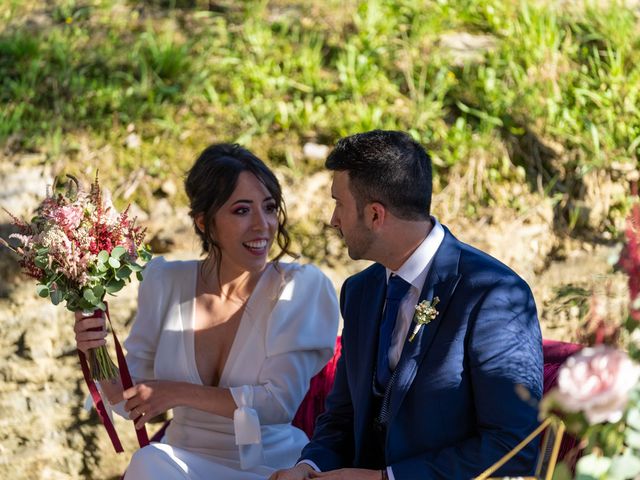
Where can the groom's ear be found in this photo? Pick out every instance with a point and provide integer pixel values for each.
(375, 215)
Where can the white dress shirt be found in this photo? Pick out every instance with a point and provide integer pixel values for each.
(413, 271)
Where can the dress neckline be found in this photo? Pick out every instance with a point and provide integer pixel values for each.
(235, 344)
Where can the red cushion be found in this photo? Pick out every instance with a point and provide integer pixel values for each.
(555, 353)
(313, 403)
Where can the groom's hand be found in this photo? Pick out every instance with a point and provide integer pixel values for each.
(299, 472)
(348, 474)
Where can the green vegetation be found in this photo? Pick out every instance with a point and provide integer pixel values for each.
(550, 96)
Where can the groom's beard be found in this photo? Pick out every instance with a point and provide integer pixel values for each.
(358, 242)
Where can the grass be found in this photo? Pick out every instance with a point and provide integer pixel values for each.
(553, 97)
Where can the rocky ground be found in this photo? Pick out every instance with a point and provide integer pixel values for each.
(44, 431)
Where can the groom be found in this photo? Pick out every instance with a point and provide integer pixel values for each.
(439, 393)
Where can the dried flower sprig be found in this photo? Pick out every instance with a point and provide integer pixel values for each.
(425, 313)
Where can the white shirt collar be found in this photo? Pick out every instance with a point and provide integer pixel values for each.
(414, 270)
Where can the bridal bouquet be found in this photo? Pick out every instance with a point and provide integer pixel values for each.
(79, 249)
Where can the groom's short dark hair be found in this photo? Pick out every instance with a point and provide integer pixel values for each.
(388, 167)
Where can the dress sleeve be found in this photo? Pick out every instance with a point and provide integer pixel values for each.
(145, 331)
(300, 339)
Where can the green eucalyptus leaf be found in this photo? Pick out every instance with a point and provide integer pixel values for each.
(139, 276)
(114, 286)
(42, 290)
(102, 267)
(103, 256)
(102, 306)
(118, 252)
(114, 262)
(56, 296)
(88, 295)
(84, 306)
(123, 273)
(135, 267)
(98, 291)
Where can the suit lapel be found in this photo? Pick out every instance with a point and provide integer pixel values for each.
(441, 282)
(371, 303)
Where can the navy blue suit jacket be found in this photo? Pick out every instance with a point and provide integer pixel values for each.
(454, 409)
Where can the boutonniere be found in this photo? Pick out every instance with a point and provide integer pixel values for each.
(425, 312)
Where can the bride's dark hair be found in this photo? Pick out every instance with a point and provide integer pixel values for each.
(212, 180)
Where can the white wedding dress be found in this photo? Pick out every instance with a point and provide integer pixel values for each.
(286, 335)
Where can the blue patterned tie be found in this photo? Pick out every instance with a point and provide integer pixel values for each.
(397, 288)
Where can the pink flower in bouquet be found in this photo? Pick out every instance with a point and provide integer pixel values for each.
(596, 381)
(67, 217)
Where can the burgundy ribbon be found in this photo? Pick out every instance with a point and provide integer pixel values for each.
(125, 377)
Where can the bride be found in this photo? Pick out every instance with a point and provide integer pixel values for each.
(229, 343)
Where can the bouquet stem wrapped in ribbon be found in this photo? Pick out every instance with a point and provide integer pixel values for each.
(80, 249)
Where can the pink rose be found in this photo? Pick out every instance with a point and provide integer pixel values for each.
(596, 381)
